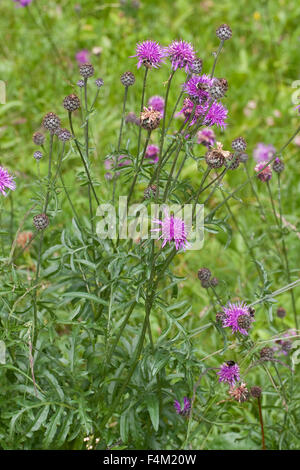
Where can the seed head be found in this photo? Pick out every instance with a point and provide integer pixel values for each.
(217, 90)
(204, 274)
(38, 138)
(214, 281)
(99, 82)
(281, 312)
(150, 191)
(239, 144)
(278, 165)
(214, 158)
(150, 119)
(244, 322)
(86, 70)
(196, 66)
(224, 32)
(41, 221)
(127, 79)
(205, 283)
(71, 103)
(80, 83)
(64, 135)
(240, 393)
(255, 391)
(266, 354)
(51, 122)
(232, 161)
(37, 155)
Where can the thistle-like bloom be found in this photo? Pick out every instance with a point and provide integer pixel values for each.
(6, 181)
(82, 56)
(206, 137)
(210, 114)
(157, 103)
(229, 373)
(152, 152)
(149, 54)
(181, 54)
(237, 317)
(263, 174)
(173, 230)
(185, 410)
(22, 3)
(216, 114)
(198, 87)
(263, 152)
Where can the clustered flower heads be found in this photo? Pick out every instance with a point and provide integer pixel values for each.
(173, 230)
(6, 181)
(185, 410)
(238, 317)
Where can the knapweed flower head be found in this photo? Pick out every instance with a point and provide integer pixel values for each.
(6, 181)
(152, 153)
(237, 317)
(173, 230)
(185, 410)
(263, 152)
(157, 103)
(181, 54)
(210, 114)
(264, 174)
(206, 137)
(229, 373)
(149, 54)
(82, 56)
(239, 393)
(198, 87)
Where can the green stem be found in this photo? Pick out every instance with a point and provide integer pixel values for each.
(119, 142)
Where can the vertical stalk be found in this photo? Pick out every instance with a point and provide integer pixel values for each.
(261, 424)
(119, 142)
(142, 107)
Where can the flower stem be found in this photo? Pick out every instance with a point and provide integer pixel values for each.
(261, 424)
(119, 142)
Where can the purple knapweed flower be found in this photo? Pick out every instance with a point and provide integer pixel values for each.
(6, 181)
(157, 103)
(197, 88)
(82, 56)
(206, 137)
(229, 372)
(210, 114)
(152, 152)
(237, 317)
(185, 410)
(181, 54)
(263, 174)
(22, 3)
(263, 152)
(173, 230)
(149, 54)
